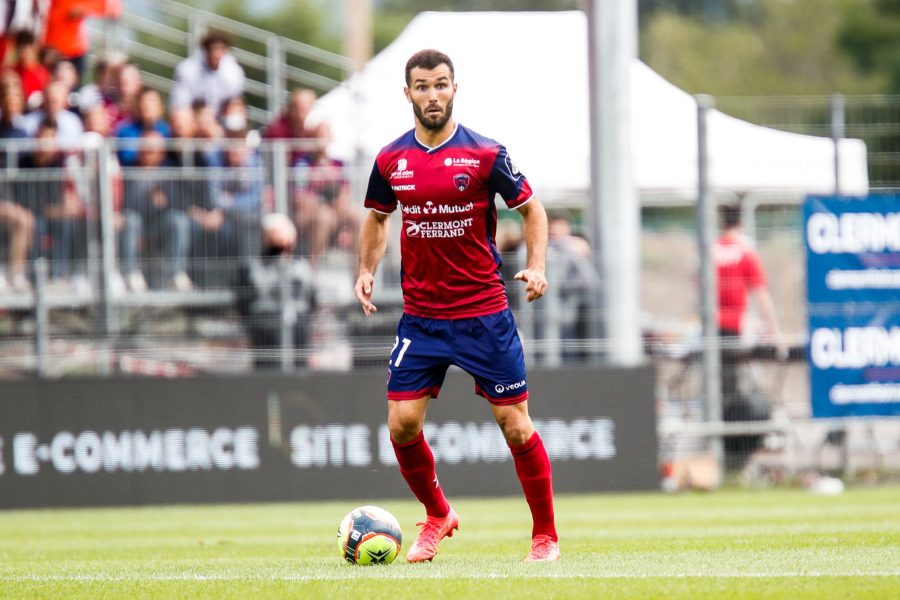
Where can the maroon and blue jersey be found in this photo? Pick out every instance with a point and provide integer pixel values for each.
(449, 260)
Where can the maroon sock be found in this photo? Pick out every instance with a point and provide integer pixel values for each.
(536, 476)
(417, 467)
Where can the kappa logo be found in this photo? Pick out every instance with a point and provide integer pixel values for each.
(461, 181)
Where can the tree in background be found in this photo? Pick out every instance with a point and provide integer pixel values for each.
(769, 47)
(871, 36)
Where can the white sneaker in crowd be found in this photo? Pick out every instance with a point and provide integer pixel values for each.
(20, 284)
(136, 282)
(182, 283)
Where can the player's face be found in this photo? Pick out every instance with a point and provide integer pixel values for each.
(431, 93)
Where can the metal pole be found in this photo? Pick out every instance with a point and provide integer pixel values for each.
(288, 313)
(280, 175)
(107, 215)
(41, 317)
(838, 115)
(615, 218)
(706, 233)
(275, 64)
(196, 31)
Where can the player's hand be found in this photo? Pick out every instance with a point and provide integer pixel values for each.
(535, 283)
(364, 285)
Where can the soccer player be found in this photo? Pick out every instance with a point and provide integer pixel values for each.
(443, 177)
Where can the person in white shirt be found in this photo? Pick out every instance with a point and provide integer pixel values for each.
(212, 75)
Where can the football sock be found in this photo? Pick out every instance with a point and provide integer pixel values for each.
(536, 476)
(417, 467)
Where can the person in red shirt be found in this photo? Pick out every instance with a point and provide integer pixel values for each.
(33, 74)
(442, 178)
(740, 275)
(65, 32)
(291, 125)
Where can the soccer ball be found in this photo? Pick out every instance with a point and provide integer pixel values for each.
(369, 535)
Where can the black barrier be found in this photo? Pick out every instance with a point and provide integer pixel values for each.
(96, 442)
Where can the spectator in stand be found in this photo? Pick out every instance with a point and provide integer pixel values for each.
(579, 284)
(54, 109)
(96, 120)
(128, 85)
(155, 197)
(258, 293)
(16, 218)
(13, 98)
(149, 116)
(185, 152)
(65, 73)
(208, 126)
(20, 15)
(323, 210)
(291, 124)
(212, 75)
(65, 31)
(55, 199)
(103, 87)
(127, 224)
(28, 67)
(229, 225)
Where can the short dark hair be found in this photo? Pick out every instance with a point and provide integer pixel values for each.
(729, 215)
(24, 38)
(214, 37)
(428, 59)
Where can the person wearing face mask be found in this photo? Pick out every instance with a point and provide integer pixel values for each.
(257, 290)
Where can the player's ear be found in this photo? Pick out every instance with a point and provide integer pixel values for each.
(407, 94)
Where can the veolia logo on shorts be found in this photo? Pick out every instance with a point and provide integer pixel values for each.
(500, 388)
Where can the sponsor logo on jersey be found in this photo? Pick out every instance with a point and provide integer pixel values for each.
(430, 208)
(409, 187)
(402, 172)
(437, 229)
(461, 181)
(457, 161)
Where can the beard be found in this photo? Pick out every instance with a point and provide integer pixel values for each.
(434, 123)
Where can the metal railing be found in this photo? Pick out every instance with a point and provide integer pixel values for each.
(158, 34)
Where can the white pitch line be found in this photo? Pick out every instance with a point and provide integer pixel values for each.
(410, 576)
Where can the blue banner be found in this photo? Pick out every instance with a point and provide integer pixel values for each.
(853, 287)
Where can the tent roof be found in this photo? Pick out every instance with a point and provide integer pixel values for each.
(523, 80)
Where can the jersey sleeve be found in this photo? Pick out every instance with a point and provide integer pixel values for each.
(379, 195)
(506, 180)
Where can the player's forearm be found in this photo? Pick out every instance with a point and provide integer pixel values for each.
(535, 231)
(372, 242)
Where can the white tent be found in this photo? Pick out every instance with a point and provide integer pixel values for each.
(523, 80)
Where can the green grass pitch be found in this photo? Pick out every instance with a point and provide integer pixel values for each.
(730, 544)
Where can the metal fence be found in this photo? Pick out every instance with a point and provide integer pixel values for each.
(158, 270)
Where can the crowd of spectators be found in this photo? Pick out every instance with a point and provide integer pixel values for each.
(190, 185)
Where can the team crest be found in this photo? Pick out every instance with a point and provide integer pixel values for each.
(461, 181)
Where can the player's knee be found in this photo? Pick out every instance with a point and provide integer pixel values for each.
(404, 427)
(517, 429)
